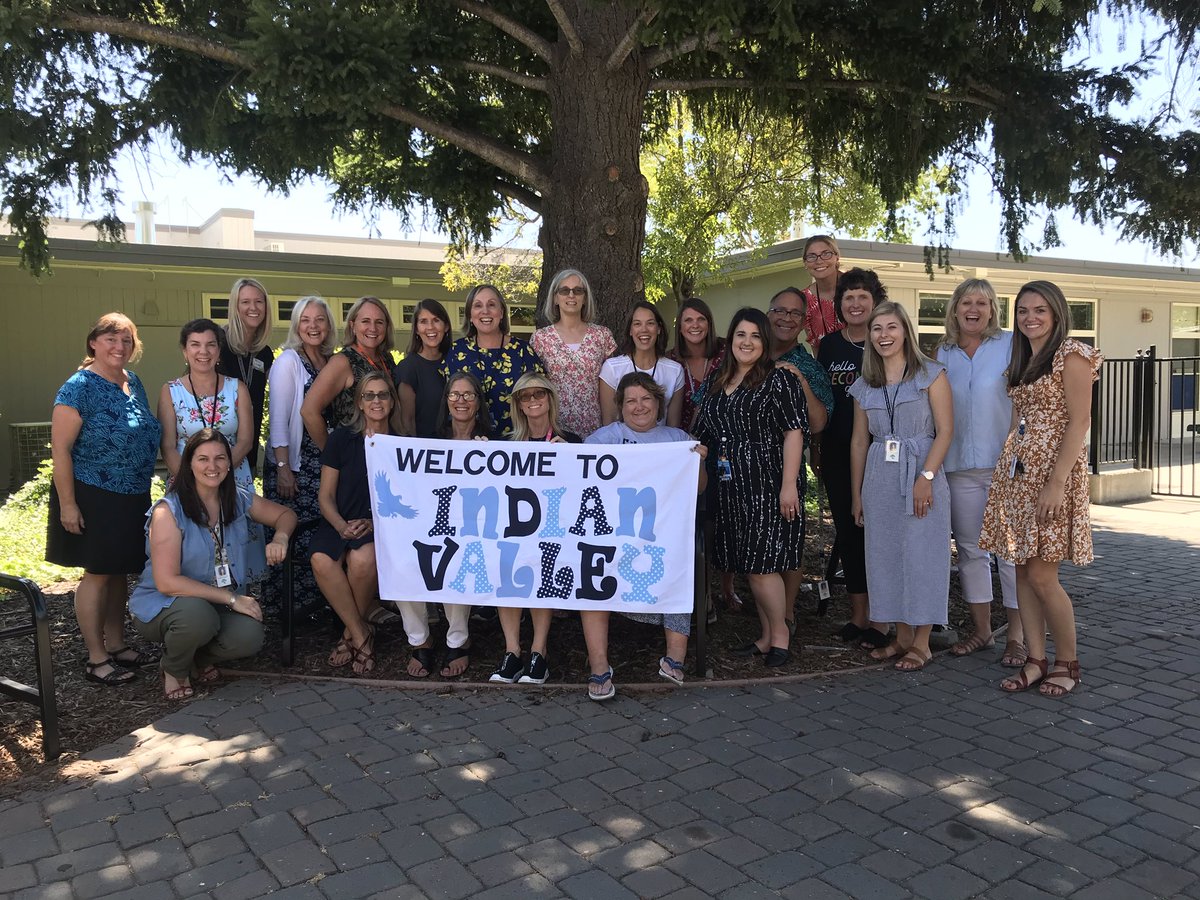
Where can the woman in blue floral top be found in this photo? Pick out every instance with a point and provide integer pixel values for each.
(491, 354)
(103, 440)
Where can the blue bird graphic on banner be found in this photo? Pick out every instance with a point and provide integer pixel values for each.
(389, 505)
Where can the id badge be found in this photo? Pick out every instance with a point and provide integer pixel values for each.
(259, 365)
(823, 589)
(891, 450)
(1015, 468)
(724, 470)
(223, 575)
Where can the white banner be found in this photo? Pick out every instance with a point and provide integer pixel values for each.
(564, 526)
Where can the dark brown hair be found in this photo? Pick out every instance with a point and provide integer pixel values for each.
(761, 369)
(184, 485)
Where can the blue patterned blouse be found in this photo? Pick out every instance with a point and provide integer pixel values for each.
(118, 442)
(497, 370)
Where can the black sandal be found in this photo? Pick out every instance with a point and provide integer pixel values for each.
(140, 657)
(117, 676)
(453, 654)
(425, 657)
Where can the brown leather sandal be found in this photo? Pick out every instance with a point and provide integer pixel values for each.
(364, 655)
(1015, 655)
(1014, 684)
(1064, 670)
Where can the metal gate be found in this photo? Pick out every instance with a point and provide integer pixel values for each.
(1146, 414)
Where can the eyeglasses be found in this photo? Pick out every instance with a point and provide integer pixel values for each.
(533, 394)
(571, 291)
(461, 395)
(372, 396)
(819, 257)
(786, 313)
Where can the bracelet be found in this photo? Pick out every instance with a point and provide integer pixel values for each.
(232, 600)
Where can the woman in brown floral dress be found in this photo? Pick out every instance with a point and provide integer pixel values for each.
(1037, 509)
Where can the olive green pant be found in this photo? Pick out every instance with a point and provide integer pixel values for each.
(196, 634)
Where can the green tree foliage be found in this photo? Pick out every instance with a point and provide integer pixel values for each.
(460, 106)
(514, 273)
(716, 190)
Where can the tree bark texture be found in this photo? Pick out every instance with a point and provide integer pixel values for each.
(594, 213)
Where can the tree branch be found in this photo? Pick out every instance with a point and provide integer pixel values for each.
(514, 30)
(529, 82)
(683, 48)
(517, 164)
(566, 26)
(151, 34)
(695, 84)
(522, 195)
(520, 165)
(621, 52)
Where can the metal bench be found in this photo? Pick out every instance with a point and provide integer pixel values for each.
(41, 696)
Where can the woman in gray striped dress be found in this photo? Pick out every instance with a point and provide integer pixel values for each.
(752, 421)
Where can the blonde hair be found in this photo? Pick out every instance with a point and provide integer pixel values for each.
(914, 360)
(968, 287)
(385, 346)
(235, 332)
(520, 422)
(358, 419)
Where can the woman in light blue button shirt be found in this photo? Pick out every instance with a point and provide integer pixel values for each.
(976, 353)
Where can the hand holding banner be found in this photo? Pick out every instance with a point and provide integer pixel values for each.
(564, 526)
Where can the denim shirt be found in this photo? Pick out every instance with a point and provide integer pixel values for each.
(198, 556)
(982, 409)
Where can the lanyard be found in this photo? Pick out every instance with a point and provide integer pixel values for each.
(246, 367)
(218, 537)
(889, 401)
(199, 408)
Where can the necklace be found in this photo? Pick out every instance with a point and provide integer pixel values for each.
(199, 406)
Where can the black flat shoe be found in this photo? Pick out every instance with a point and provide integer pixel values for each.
(850, 632)
(777, 656)
(751, 649)
(873, 639)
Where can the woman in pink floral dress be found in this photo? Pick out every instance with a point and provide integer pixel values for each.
(1037, 508)
(573, 349)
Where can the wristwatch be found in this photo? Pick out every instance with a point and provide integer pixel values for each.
(927, 475)
(281, 463)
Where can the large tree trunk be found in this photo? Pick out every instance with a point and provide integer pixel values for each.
(594, 215)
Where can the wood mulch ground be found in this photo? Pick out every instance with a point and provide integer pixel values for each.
(91, 715)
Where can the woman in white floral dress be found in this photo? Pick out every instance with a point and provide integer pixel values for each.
(204, 398)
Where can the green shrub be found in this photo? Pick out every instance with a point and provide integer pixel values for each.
(23, 530)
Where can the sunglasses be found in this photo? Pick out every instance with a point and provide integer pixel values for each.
(533, 394)
(571, 291)
(372, 396)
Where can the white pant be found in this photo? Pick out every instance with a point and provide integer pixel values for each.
(968, 497)
(416, 622)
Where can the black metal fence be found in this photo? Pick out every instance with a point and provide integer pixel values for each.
(1146, 414)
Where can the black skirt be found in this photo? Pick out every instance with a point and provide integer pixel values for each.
(326, 540)
(114, 532)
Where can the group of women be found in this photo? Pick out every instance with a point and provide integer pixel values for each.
(985, 442)
(909, 448)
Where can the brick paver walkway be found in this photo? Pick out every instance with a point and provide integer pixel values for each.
(866, 785)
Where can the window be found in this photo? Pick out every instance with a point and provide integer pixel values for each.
(1185, 329)
(1083, 320)
(216, 307)
(1185, 348)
